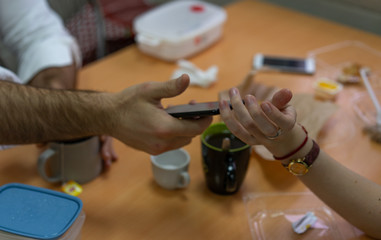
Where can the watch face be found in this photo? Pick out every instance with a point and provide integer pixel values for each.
(298, 168)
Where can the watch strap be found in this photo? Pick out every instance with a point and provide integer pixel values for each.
(313, 154)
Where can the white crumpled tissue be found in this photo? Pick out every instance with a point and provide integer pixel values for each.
(197, 76)
(301, 223)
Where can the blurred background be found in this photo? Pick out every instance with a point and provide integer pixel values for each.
(105, 26)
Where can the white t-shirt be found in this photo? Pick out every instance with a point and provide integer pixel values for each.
(33, 37)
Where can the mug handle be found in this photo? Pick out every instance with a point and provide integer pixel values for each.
(184, 180)
(42, 159)
(231, 172)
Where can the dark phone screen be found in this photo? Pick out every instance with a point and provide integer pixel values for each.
(192, 110)
(298, 63)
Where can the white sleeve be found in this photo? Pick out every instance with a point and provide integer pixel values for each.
(6, 75)
(37, 36)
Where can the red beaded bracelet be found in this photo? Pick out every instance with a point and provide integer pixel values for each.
(297, 149)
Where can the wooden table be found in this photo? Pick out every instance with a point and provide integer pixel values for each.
(126, 203)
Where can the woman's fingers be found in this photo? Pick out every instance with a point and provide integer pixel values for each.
(281, 98)
(255, 122)
(285, 119)
(261, 121)
(234, 125)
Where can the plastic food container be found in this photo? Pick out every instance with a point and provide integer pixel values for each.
(333, 62)
(269, 217)
(364, 107)
(29, 212)
(327, 89)
(179, 29)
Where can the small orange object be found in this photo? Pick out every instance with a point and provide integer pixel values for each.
(326, 88)
(327, 85)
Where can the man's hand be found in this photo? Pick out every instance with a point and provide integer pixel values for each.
(142, 123)
(108, 153)
(135, 115)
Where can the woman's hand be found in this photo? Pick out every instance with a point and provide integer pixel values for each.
(269, 123)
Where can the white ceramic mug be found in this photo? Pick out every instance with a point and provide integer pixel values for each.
(77, 160)
(170, 169)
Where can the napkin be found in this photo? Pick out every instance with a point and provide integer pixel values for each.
(197, 76)
(301, 223)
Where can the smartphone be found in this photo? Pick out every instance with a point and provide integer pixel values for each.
(194, 110)
(284, 64)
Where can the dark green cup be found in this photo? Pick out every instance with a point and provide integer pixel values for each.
(224, 169)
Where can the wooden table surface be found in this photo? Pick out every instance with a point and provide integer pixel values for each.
(126, 203)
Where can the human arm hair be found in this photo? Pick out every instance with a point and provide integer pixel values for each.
(134, 115)
(31, 115)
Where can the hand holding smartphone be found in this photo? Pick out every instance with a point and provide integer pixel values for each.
(194, 110)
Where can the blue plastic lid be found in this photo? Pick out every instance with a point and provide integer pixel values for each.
(36, 212)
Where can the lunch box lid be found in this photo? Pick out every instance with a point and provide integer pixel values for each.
(36, 212)
(179, 20)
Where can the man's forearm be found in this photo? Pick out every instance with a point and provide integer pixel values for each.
(30, 115)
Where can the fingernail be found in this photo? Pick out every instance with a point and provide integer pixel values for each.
(266, 107)
(233, 91)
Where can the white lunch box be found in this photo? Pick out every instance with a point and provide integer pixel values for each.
(179, 29)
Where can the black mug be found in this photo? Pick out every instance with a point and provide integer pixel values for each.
(224, 168)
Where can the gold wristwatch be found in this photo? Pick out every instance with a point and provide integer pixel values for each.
(300, 166)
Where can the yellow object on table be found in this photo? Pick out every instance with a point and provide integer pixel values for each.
(327, 89)
(72, 188)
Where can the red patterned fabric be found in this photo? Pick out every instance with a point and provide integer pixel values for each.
(123, 12)
(118, 18)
